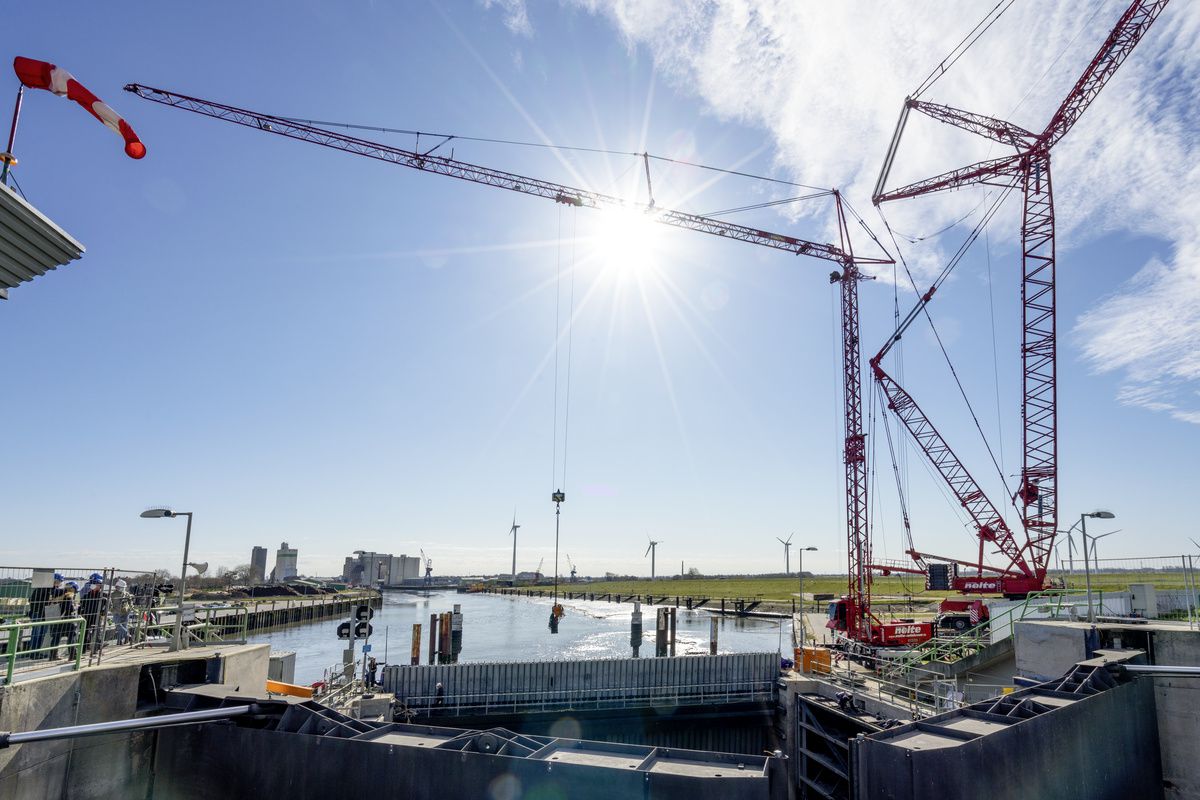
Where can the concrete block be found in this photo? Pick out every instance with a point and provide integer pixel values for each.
(1143, 600)
(379, 706)
(246, 667)
(283, 667)
(1047, 649)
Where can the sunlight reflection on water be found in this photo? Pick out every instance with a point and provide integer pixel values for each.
(515, 629)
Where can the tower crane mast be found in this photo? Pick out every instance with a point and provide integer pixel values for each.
(847, 276)
(1029, 168)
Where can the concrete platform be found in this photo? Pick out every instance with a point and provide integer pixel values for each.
(112, 765)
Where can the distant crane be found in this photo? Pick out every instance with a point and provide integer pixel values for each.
(428, 563)
(572, 563)
(651, 551)
(787, 552)
(513, 532)
(847, 276)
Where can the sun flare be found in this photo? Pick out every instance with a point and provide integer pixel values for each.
(627, 243)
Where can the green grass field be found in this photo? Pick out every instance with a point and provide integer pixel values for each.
(765, 588)
(783, 589)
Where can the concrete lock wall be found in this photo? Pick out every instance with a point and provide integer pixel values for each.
(94, 767)
(1103, 747)
(115, 765)
(1178, 704)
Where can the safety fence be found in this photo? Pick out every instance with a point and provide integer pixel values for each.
(39, 644)
(1072, 572)
(141, 612)
(1161, 587)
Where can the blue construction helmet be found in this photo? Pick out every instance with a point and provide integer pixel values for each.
(96, 577)
(73, 585)
(58, 576)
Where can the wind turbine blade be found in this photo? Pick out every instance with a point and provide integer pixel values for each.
(647, 551)
(790, 535)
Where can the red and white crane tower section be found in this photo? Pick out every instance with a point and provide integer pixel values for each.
(1024, 565)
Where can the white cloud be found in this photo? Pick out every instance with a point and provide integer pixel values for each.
(516, 16)
(826, 82)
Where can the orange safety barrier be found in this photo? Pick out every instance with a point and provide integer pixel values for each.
(279, 687)
(815, 659)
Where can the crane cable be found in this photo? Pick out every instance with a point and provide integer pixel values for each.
(449, 137)
(923, 308)
(558, 480)
(963, 46)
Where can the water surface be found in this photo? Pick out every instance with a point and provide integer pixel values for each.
(497, 628)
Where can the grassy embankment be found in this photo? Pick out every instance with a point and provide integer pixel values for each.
(783, 589)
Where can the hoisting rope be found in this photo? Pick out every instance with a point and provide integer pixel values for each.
(922, 308)
(962, 47)
(558, 480)
(887, 430)
(987, 245)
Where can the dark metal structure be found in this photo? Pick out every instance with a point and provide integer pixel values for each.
(305, 751)
(1085, 736)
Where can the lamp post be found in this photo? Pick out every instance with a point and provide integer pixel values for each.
(177, 641)
(803, 624)
(1087, 572)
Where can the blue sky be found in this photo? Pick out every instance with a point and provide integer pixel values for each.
(300, 345)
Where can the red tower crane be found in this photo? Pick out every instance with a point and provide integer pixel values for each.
(848, 277)
(1024, 564)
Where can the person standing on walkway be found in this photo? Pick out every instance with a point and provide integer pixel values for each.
(121, 603)
(67, 609)
(93, 607)
(39, 598)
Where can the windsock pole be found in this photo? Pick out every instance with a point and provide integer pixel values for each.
(7, 156)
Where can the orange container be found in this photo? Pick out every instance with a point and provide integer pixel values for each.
(816, 659)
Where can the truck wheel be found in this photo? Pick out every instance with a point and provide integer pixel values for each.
(959, 624)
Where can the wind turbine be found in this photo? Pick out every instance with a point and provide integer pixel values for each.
(513, 532)
(652, 551)
(787, 552)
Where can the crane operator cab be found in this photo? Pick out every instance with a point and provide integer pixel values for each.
(839, 614)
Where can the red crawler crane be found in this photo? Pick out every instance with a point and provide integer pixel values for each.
(1024, 564)
(860, 619)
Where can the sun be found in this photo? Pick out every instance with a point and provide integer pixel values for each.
(627, 243)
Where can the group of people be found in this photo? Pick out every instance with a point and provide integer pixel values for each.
(66, 600)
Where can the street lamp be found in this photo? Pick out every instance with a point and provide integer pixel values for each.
(177, 641)
(803, 624)
(1087, 572)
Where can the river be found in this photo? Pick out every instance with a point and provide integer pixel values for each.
(497, 628)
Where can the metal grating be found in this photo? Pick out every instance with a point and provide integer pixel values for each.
(30, 243)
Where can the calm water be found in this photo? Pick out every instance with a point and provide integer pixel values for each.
(514, 629)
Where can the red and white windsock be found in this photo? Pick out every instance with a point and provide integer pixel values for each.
(43, 75)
